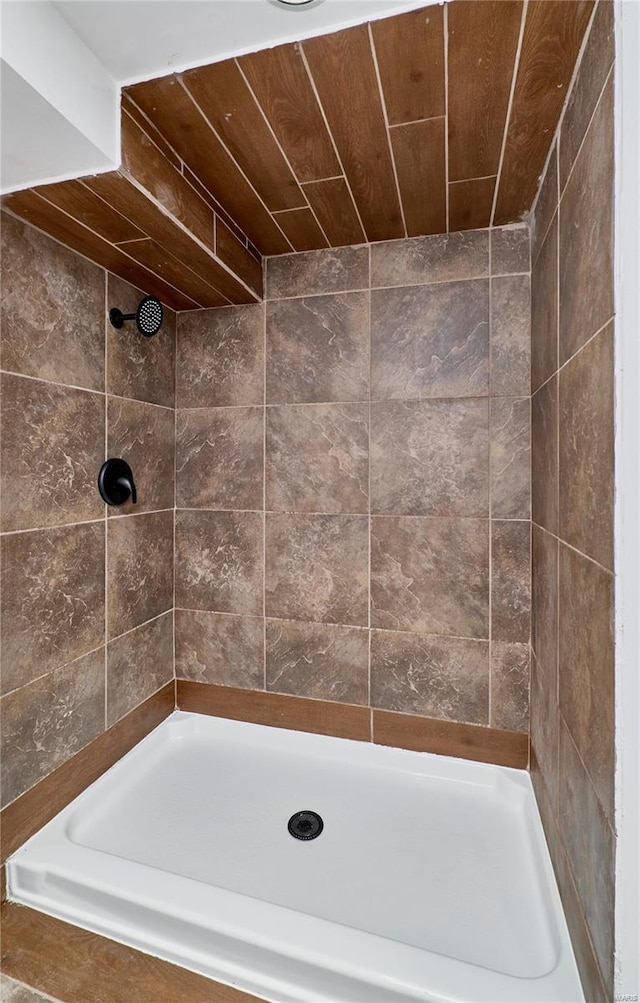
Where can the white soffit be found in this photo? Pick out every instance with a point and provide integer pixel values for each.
(139, 39)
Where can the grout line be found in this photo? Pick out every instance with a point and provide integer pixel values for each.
(445, 40)
(484, 177)
(514, 77)
(303, 56)
(383, 105)
(138, 626)
(49, 672)
(489, 438)
(369, 525)
(575, 550)
(318, 181)
(175, 489)
(230, 155)
(561, 193)
(264, 499)
(571, 358)
(415, 121)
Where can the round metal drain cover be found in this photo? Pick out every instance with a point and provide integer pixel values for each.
(305, 825)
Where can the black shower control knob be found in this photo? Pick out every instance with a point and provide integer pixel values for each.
(115, 482)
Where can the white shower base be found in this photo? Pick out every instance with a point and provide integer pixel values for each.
(430, 881)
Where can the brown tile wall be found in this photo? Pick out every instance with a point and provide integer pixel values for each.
(353, 481)
(87, 601)
(572, 710)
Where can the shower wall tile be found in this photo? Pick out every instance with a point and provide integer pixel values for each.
(318, 349)
(440, 258)
(317, 568)
(544, 309)
(546, 205)
(143, 435)
(317, 458)
(52, 311)
(510, 686)
(219, 561)
(53, 599)
(510, 436)
(430, 575)
(219, 458)
(586, 449)
(511, 335)
(139, 570)
(510, 581)
(52, 449)
(586, 666)
(430, 457)
(321, 661)
(441, 677)
(590, 843)
(138, 664)
(430, 341)
(139, 367)
(510, 250)
(544, 456)
(220, 648)
(544, 605)
(47, 721)
(586, 235)
(221, 357)
(572, 700)
(315, 272)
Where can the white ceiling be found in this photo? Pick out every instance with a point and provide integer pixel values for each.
(139, 39)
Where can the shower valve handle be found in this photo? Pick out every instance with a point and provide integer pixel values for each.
(115, 482)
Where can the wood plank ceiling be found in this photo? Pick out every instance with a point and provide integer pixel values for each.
(426, 122)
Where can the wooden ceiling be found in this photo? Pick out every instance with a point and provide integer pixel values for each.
(426, 122)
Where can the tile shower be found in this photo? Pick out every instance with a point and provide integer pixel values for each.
(351, 495)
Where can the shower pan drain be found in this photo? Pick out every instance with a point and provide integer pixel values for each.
(305, 825)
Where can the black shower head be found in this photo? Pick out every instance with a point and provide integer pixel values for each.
(148, 316)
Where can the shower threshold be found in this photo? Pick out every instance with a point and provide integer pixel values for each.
(304, 868)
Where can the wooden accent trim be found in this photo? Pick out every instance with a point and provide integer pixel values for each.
(37, 806)
(276, 710)
(448, 738)
(77, 966)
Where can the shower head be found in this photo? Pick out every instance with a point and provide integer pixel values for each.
(148, 316)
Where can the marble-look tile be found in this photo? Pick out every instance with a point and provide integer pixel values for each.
(430, 575)
(317, 458)
(544, 309)
(139, 367)
(586, 421)
(509, 686)
(52, 312)
(49, 720)
(510, 335)
(317, 568)
(595, 64)
(140, 569)
(220, 357)
(586, 235)
(510, 249)
(138, 664)
(219, 458)
(336, 269)
(430, 457)
(544, 456)
(441, 677)
(510, 433)
(318, 660)
(544, 606)
(439, 258)
(510, 581)
(318, 349)
(220, 648)
(546, 205)
(430, 341)
(143, 435)
(544, 723)
(590, 846)
(586, 666)
(52, 450)
(52, 599)
(219, 562)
